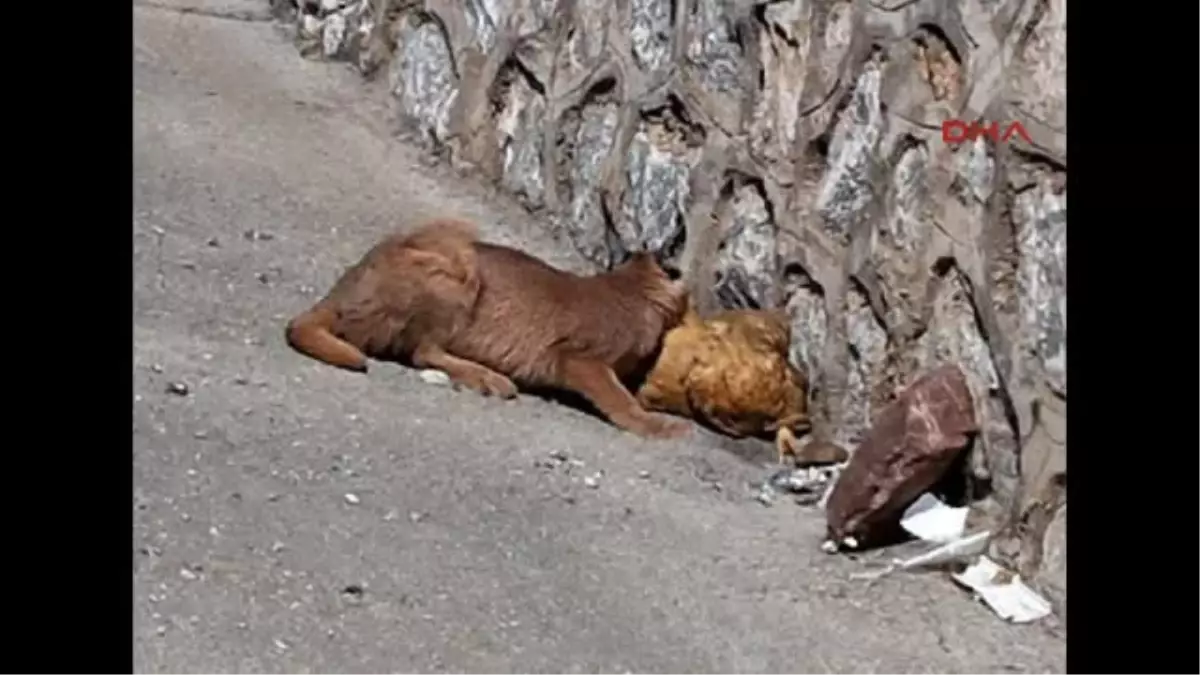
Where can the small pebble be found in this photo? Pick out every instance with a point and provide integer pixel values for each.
(200, 434)
(277, 547)
(178, 389)
(187, 574)
(242, 380)
(592, 481)
(214, 531)
(558, 455)
(185, 517)
(766, 497)
(353, 593)
(160, 631)
(431, 376)
(391, 515)
(352, 498)
(156, 367)
(214, 243)
(242, 625)
(256, 235)
(283, 646)
(192, 472)
(416, 516)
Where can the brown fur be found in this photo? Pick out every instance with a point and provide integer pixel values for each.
(492, 317)
(732, 372)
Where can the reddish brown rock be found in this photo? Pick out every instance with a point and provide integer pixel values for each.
(909, 447)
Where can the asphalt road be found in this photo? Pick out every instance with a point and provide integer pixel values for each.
(289, 517)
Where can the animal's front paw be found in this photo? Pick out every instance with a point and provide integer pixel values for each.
(498, 385)
(666, 427)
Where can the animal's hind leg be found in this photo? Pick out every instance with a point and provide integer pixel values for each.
(785, 436)
(785, 445)
(599, 384)
(467, 373)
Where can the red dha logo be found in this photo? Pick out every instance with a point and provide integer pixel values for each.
(957, 131)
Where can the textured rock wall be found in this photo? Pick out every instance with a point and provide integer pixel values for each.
(787, 154)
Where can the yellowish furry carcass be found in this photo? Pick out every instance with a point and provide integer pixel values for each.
(732, 372)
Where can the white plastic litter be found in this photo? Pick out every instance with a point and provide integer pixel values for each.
(1011, 600)
(958, 549)
(930, 519)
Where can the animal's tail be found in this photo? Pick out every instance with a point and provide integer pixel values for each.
(309, 333)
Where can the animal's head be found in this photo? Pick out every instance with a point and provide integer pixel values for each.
(658, 282)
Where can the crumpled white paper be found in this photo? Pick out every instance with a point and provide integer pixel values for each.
(1011, 599)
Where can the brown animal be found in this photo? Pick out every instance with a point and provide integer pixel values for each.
(732, 371)
(489, 316)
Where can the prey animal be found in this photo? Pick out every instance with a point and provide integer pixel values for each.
(494, 318)
(732, 372)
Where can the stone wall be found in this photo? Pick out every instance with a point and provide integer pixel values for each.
(787, 154)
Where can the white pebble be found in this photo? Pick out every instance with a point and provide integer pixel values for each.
(432, 376)
(187, 574)
(352, 498)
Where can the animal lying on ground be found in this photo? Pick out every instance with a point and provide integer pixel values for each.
(492, 317)
(732, 372)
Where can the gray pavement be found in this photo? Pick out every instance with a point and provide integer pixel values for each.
(290, 517)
